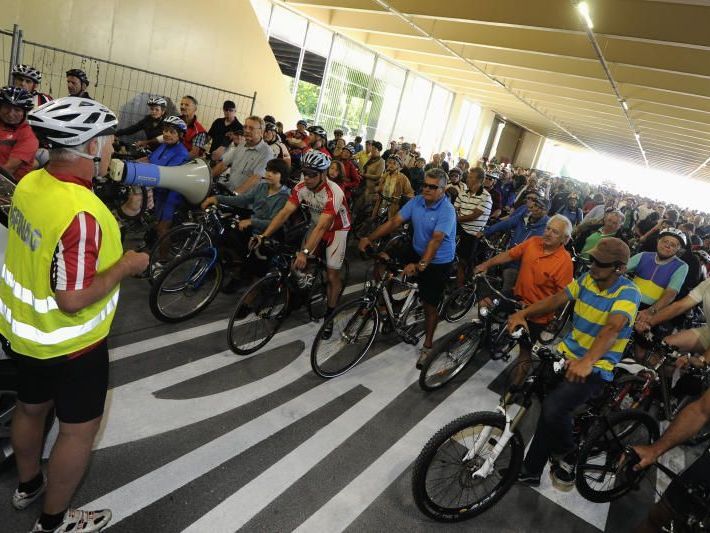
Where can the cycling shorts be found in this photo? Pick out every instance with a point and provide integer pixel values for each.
(335, 244)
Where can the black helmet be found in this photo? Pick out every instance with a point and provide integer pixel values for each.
(27, 71)
(78, 73)
(18, 97)
(318, 130)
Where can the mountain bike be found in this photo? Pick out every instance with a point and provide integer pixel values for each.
(487, 332)
(356, 323)
(473, 461)
(264, 306)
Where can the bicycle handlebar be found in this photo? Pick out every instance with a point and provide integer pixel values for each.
(484, 277)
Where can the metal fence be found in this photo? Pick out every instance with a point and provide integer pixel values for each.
(122, 88)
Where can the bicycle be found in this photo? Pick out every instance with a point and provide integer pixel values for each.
(194, 278)
(264, 306)
(371, 223)
(487, 332)
(462, 299)
(696, 494)
(356, 323)
(473, 461)
(648, 385)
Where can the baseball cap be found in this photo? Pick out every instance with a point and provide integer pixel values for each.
(228, 104)
(611, 250)
(301, 122)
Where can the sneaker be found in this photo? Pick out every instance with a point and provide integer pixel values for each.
(562, 475)
(423, 356)
(327, 331)
(22, 500)
(78, 521)
(531, 480)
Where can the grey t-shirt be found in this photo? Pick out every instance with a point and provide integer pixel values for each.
(245, 161)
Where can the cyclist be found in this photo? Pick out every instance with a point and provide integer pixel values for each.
(372, 172)
(571, 209)
(473, 207)
(605, 307)
(611, 227)
(456, 186)
(527, 221)
(351, 175)
(674, 504)
(330, 222)
(489, 182)
(545, 269)
(29, 78)
(195, 139)
(271, 137)
(59, 295)
(393, 184)
(77, 83)
(337, 135)
(433, 247)
(298, 140)
(318, 140)
(659, 275)
(221, 127)
(151, 124)
(18, 144)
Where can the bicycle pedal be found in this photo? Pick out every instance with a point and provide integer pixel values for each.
(407, 337)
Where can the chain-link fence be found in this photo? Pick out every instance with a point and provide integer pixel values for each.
(122, 88)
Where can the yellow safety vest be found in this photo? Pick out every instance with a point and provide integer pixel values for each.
(42, 209)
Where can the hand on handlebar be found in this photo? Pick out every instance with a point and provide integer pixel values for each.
(641, 326)
(210, 200)
(516, 320)
(364, 244)
(480, 269)
(255, 241)
(410, 269)
(647, 456)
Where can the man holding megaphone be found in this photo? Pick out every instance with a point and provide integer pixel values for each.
(58, 294)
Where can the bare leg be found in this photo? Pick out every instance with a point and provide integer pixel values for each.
(431, 318)
(27, 434)
(522, 366)
(335, 287)
(67, 463)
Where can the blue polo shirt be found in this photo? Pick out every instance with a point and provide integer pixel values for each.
(426, 220)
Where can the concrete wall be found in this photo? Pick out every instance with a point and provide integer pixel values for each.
(529, 150)
(217, 42)
(508, 143)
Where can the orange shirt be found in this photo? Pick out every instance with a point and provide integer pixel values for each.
(541, 274)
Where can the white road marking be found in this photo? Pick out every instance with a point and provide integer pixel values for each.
(384, 372)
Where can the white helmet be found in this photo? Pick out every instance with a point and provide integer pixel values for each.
(71, 121)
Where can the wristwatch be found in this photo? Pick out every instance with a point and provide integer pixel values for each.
(305, 251)
(423, 264)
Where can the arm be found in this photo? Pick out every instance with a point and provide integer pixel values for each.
(673, 310)
(11, 165)
(579, 369)
(234, 201)
(325, 220)
(74, 301)
(543, 307)
(437, 237)
(130, 130)
(386, 228)
(248, 184)
(686, 424)
(280, 218)
(468, 218)
(499, 259)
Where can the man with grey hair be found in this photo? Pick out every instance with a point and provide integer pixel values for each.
(247, 160)
(433, 219)
(545, 269)
(586, 240)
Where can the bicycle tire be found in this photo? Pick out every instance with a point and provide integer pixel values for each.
(180, 279)
(317, 296)
(270, 295)
(458, 304)
(177, 242)
(458, 351)
(355, 316)
(454, 436)
(603, 444)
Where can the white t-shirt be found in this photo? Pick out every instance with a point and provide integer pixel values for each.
(701, 293)
(467, 202)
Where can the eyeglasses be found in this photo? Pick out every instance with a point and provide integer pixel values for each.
(310, 173)
(531, 198)
(600, 264)
(430, 186)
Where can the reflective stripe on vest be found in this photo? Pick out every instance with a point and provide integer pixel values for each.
(31, 333)
(41, 305)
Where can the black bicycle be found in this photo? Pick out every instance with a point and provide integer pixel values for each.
(264, 306)
(488, 332)
(473, 461)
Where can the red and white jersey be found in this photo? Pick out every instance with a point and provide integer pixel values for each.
(328, 199)
(40, 98)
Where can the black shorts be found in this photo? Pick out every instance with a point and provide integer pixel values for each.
(467, 249)
(77, 386)
(432, 281)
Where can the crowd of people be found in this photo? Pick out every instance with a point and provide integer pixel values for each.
(59, 292)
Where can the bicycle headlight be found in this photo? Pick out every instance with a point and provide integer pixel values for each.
(483, 312)
(368, 285)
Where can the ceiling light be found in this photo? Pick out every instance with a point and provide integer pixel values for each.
(583, 9)
(625, 105)
(638, 136)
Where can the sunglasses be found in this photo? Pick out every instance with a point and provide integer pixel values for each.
(310, 173)
(430, 186)
(600, 264)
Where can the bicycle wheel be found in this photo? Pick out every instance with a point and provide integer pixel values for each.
(178, 242)
(443, 482)
(354, 330)
(442, 366)
(186, 286)
(317, 296)
(258, 315)
(458, 304)
(601, 475)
